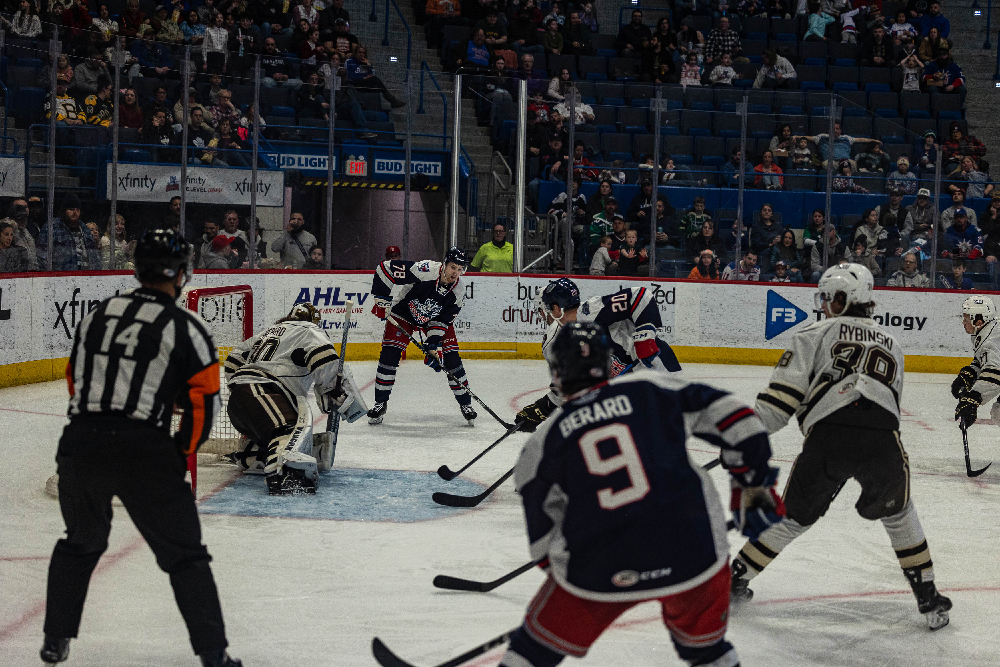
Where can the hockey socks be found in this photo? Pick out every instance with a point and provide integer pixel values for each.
(758, 554)
(907, 538)
(453, 364)
(385, 378)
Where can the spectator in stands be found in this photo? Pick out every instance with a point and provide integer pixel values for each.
(768, 175)
(776, 72)
(766, 230)
(245, 43)
(959, 145)
(193, 30)
(552, 40)
(556, 14)
(748, 269)
(99, 108)
(581, 162)
(657, 65)
(912, 66)
(26, 23)
(154, 58)
(276, 68)
(315, 261)
(818, 22)
(269, 16)
(957, 202)
(910, 274)
(577, 37)
(836, 250)
(95, 232)
(497, 256)
(640, 210)
(293, 244)
(87, 74)
(221, 254)
(667, 231)
(977, 183)
(723, 74)
(211, 230)
(124, 248)
(730, 171)
(706, 268)
(877, 50)
(864, 256)
(230, 144)
(691, 71)
(785, 251)
(304, 11)
(957, 280)
(74, 248)
(600, 223)
(679, 175)
(14, 257)
(690, 40)
(522, 34)
(813, 228)
(632, 260)
(870, 228)
(24, 230)
(665, 35)
(63, 69)
(312, 50)
(531, 7)
(962, 239)
(172, 218)
(803, 157)
(166, 29)
(129, 113)
(440, 13)
(494, 30)
(618, 228)
(943, 76)
(918, 222)
(476, 57)
(927, 154)
(583, 113)
(632, 36)
(160, 101)
(783, 275)
(722, 40)
(178, 110)
(559, 85)
(362, 76)
(841, 145)
(67, 111)
(891, 213)
(691, 223)
(76, 23)
(931, 45)
(902, 179)
(706, 239)
(782, 145)
(158, 133)
(202, 141)
(132, 19)
(601, 262)
(596, 202)
(587, 16)
(875, 161)
(933, 19)
(989, 224)
(902, 29)
(214, 53)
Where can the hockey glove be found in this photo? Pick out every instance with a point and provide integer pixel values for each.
(380, 308)
(532, 415)
(968, 408)
(756, 508)
(328, 401)
(646, 348)
(432, 356)
(963, 383)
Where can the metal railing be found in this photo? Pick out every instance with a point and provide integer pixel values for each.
(444, 101)
(409, 33)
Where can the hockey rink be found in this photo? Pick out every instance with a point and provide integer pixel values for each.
(310, 580)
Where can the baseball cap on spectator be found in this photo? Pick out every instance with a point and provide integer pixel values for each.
(780, 262)
(930, 133)
(220, 242)
(34, 200)
(610, 200)
(961, 212)
(619, 216)
(341, 22)
(393, 252)
(923, 192)
(647, 181)
(895, 192)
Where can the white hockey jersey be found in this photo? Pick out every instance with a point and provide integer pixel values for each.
(986, 362)
(828, 366)
(294, 354)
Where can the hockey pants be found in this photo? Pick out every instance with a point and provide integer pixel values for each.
(394, 342)
(266, 413)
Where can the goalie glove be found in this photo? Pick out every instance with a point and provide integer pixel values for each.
(380, 307)
(963, 383)
(532, 415)
(756, 508)
(968, 408)
(646, 348)
(331, 400)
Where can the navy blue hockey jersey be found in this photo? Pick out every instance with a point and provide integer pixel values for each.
(611, 498)
(423, 300)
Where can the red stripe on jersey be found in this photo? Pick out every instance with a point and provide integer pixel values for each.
(737, 416)
(638, 299)
(387, 274)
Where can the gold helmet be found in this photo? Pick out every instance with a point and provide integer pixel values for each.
(302, 312)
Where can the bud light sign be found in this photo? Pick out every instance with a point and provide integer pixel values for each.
(302, 162)
(390, 166)
(397, 167)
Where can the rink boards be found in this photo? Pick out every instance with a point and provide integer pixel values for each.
(705, 322)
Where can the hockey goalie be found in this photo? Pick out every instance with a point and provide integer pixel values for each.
(269, 377)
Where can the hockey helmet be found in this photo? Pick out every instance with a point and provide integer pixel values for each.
(563, 293)
(457, 256)
(161, 255)
(302, 312)
(979, 306)
(581, 357)
(854, 280)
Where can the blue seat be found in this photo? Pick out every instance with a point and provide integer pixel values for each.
(786, 37)
(844, 62)
(815, 62)
(137, 155)
(284, 112)
(35, 63)
(877, 88)
(843, 86)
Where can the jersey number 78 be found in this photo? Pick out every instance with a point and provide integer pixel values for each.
(627, 458)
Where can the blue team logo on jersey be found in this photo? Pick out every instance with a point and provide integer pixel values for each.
(782, 315)
(424, 311)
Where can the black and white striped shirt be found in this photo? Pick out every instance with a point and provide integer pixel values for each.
(138, 354)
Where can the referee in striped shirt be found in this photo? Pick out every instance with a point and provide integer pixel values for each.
(133, 358)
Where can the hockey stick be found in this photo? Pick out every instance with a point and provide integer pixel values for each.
(392, 320)
(450, 500)
(387, 658)
(968, 462)
(333, 419)
(447, 474)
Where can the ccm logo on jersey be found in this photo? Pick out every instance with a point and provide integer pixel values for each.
(627, 578)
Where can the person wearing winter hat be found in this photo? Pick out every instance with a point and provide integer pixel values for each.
(902, 179)
(73, 246)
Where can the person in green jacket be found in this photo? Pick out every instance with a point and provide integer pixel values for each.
(497, 256)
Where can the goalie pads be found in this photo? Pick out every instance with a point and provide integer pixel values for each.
(346, 398)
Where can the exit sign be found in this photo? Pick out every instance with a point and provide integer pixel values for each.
(356, 167)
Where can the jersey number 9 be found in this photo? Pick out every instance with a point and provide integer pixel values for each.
(627, 458)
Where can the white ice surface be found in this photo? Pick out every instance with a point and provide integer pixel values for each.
(315, 592)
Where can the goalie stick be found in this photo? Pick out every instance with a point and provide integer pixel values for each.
(390, 318)
(387, 658)
(451, 500)
(333, 419)
(447, 474)
(968, 461)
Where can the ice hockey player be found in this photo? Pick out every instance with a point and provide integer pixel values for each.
(269, 377)
(630, 316)
(842, 378)
(428, 301)
(979, 382)
(608, 465)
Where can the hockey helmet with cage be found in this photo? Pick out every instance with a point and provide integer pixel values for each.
(161, 255)
(563, 293)
(581, 357)
(302, 312)
(457, 256)
(982, 306)
(854, 280)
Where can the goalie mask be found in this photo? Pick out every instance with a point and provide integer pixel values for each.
(302, 312)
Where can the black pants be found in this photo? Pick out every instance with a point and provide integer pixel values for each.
(850, 443)
(103, 457)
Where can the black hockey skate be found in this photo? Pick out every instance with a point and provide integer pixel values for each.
(54, 650)
(739, 590)
(470, 414)
(289, 482)
(220, 659)
(930, 603)
(375, 414)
